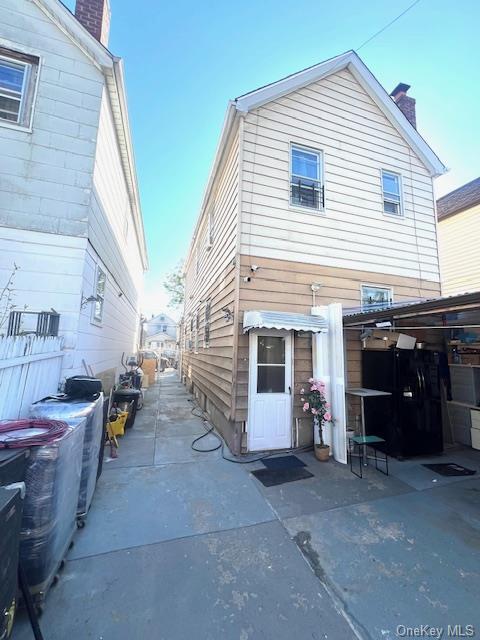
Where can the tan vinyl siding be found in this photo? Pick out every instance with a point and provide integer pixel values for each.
(459, 245)
(210, 368)
(337, 117)
(282, 285)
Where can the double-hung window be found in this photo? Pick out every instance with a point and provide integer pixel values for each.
(18, 74)
(306, 188)
(392, 193)
(100, 283)
(376, 297)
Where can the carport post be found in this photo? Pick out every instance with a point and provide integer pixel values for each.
(328, 365)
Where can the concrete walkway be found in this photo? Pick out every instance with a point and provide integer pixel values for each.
(183, 545)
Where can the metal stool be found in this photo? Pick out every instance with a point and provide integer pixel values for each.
(363, 443)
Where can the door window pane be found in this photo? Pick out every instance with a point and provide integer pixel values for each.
(271, 350)
(271, 379)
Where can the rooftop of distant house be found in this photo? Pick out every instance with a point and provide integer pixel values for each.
(462, 198)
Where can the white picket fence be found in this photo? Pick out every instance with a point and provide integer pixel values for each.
(30, 369)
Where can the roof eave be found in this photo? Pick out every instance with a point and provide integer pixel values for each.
(365, 77)
(66, 22)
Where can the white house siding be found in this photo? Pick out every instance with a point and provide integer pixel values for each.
(49, 277)
(46, 174)
(101, 344)
(211, 369)
(459, 245)
(337, 116)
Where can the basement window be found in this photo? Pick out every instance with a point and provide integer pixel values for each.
(306, 189)
(376, 297)
(392, 199)
(18, 78)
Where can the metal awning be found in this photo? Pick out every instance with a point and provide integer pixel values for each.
(281, 320)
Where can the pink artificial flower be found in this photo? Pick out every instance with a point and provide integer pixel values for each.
(327, 405)
(311, 380)
(321, 385)
(314, 412)
(313, 387)
(306, 406)
(327, 417)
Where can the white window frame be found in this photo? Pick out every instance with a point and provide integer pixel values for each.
(207, 320)
(387, 197)
(29, 87)
(98, 320)
(210, 228)
(364, 285)
(321, 179)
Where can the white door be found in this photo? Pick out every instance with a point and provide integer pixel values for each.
(269, 423)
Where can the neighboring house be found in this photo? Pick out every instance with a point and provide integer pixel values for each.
(161, 335)
(321, 191)
(459, 239)
(70, 215)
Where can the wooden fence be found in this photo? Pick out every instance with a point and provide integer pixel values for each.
(30, 368)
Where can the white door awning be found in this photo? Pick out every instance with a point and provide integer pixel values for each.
(282, 320)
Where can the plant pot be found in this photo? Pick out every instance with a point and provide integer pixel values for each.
(322, 453)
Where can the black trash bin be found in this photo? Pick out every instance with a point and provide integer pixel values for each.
(127, 400)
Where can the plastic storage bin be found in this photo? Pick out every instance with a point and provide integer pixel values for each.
(52, 481)
(73, 412)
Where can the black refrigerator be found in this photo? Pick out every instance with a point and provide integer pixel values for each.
(410, 420)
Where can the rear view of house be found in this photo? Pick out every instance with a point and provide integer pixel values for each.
(321, 192)
(459, 239)
(70, 215)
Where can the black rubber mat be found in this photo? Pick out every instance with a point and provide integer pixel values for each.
(284, 462)
(450, 469)
(274, 477)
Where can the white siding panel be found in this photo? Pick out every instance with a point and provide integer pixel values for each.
(336, 116)
(50, 189)
(101, 345)
(459, 242)
(49, 276)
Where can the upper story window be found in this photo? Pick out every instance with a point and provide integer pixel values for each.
(18, 75)
(306, 189)
(392, 193)
(376, 297)
(211, 228)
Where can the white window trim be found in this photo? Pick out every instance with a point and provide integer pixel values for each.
(321, 179)
(210, 228)
(93, 319)
(400, 189)
(373, 286)
(15, 49)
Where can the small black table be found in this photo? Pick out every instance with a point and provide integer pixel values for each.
(363, 443)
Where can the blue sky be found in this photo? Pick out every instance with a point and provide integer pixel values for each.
(184, 60)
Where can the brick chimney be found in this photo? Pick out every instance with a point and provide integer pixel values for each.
(405, 103)
(94, 15)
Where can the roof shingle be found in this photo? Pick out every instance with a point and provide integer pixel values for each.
(462, 198)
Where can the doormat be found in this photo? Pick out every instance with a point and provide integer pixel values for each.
(284, 462)
(450, 469)
(274, 477)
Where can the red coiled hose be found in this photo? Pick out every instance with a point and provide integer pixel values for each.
(52, 430)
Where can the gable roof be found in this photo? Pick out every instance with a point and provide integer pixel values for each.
(258, 97)
(462, 198)
(351, 61)
(112, 68)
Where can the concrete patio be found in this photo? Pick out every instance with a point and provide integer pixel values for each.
(180, 544)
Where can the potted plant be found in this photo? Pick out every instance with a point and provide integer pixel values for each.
(315, 403)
